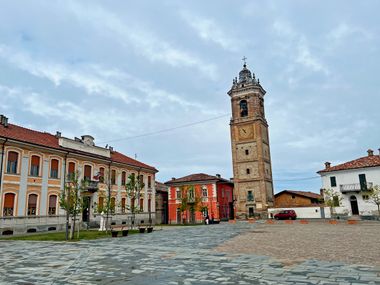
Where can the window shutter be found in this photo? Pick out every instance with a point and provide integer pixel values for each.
(9, 200)
(12, 156)
(35, 160)
(52, 201)
(32, 201)
(54, 164)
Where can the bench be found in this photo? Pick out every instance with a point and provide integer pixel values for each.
(123, 228)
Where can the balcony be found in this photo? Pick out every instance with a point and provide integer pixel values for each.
(355, 187)
(91, 185)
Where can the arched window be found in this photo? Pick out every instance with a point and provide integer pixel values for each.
(112, 204)
(32, 205)
(123, 178)
(243, 108)
(101, 174)
(123, 205)
(113, 177)
(71, 170)
(9, 202)
(54, 168)
(100, 204)
(87, 172)
(35, 166)
(12, 162)
(52, 205)
(141, 204)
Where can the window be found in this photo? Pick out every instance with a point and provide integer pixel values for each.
(113, 177)
(123, 178)
(32, 205)
(178, 194)
(293, 197)
(365, 197)
(101, 174)
(100, 204)
(12, 162)
(87, 172)
(191, 194)
(35, 166)
(54, 168)
(250, 196)
(149, 181)
(112, 204)
(248, 171)
(243, 108)
(333, 181)
(52, 205)
(71, 170)
(141, 180)
(123, 205)
(363, 182)
(246, 152)
(204, 192)
(9, 201)
(141, 204)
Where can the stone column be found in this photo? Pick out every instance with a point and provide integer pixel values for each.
(21, 201)
(44, 189)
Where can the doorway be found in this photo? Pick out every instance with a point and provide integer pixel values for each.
(232, 214)
(354, 205)
(86, 209)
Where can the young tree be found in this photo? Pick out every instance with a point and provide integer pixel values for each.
(134, 188)
(190, 200)
(71, 200)
(374, 197)
(332, 199)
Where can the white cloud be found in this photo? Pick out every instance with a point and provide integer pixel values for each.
(209, 30)
(144, 43)
(343, 31)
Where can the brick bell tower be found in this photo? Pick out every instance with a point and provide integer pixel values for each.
(250, 147)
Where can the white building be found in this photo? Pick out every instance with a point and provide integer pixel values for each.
(353, 181)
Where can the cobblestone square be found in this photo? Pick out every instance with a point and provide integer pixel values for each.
(194, 255)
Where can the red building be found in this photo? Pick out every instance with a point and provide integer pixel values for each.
(193, 197)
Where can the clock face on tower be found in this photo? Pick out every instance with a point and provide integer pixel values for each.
(245, 132)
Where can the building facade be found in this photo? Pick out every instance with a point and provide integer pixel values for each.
(250, 146)
(291, 198)
(351, 182)
(34, 168)
(161, 203)
(194, 197)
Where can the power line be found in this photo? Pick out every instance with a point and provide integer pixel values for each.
(300, 179)
(166, 130)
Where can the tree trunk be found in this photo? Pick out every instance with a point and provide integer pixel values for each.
(72, 228)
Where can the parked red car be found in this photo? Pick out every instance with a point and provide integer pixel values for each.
(286, 215)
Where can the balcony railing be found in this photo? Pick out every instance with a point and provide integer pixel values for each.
(356, 187)
(92, 185)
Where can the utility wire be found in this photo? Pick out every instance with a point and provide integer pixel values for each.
(300, 179)
(166, 130)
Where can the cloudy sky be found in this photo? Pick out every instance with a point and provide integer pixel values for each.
(117, 71)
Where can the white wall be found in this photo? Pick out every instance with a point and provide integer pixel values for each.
(303, 212)
(350, 177)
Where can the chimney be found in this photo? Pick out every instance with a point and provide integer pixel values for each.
(370, 152)
(173, 178)
(4, 121)
(327, 165)
(110, 148)
(58, 134)
(232, 179)
(217, 175)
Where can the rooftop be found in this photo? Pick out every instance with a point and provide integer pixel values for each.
(44, 139)
(198, 177)
(307, 194)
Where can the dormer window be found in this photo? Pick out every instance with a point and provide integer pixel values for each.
(243, 108)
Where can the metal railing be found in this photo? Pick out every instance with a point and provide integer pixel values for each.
(355, 187)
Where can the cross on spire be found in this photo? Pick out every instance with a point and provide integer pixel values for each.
(244, 60)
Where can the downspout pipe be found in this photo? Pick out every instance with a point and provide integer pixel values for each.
(67, 212)
(1, 167)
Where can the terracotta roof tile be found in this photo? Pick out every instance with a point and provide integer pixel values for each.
(307, 194)
(197, 177)
(363, 162)
(48, 140)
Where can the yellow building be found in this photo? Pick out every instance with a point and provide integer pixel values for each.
(33, 170)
